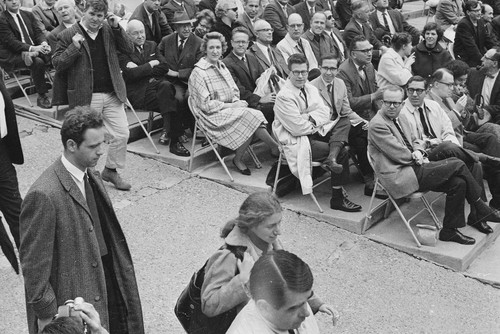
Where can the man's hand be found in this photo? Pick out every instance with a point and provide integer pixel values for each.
(461, 103)
(418, 157)
(269, 98)
(409, 61)
(42, 323)
(112, 20)
(330, 311)
(173, 74)
(245, 266)
(78, 40)
(431, 143)
(131, 65)
(154, 62)
(365, 125)
(90, 316)
(45, 48)
(378, 95)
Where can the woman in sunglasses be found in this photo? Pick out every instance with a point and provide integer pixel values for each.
(226, 12)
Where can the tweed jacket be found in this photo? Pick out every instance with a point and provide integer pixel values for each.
(469, 46)
(340, 99)
(359, 98)
(245, 21)
(475, 82)
(353, 29)
(392, 160)
(11, 44)
(321, 47)
(303, 10)
(52, 36)
(137, 78)
(287, 46)
(399, 23)
(264, 62)
(273, 13)
(161, 28)
(245, 76)
(76, 65)
(59, 252)
(45, 18)
(12, 142)
(170, 7)
(448, 13)
(183, 63)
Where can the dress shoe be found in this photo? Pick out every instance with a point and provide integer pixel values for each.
(205, 142)
(332, 166)
(184, 138)
(490, 161)
(485, 213)
(164, 140)
(454, 235)
(43, 101)
(245, 171)
(111, 175)
(380, 194)
(482, 227)
(339, 201)
(179, 149)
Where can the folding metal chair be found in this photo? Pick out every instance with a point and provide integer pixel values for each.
(14, 74)
(213, 145)
(418, 194)
(282, 161)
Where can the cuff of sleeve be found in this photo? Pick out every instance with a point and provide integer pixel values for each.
(46, 308)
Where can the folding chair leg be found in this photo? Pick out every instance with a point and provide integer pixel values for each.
(431, 212)
(221, 160)
(406, 222)
(23, 90)
(191, 158)
(254, 157)
(316, 202)
(368, 216)
(277, 173)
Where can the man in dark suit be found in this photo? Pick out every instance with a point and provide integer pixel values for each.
(306, 10)
(495, 5)
(344, 11)
(403, 170)
(66, 10)
(330, 5)
(69, 230)
(179, 52)
(387, 22)
(155, 22)
(147, 88)
(170, 7)
(332, 31)
(88, 73)
(486, 82)
(358, 25)
(265, 53)
(207, 4)
(22, 43)
(250, 15)
(11, 153)
(472, 39)
(46, 15)
(320, 42)
(364, 97)
(245, 69)
(276, 13)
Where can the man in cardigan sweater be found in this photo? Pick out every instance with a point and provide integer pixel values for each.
(88, 73)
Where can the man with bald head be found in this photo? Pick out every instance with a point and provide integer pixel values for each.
(143, 76)
(321, 43)
(266, 54)
(294, 43)
(67, 13)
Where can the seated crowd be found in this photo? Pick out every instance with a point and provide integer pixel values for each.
(281, 73)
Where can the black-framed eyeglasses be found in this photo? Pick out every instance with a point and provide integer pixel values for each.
(392, 103)
(331, 69)
(365, 50)
(265, 30)
(240, 42)
(411, 91)
(295, 26)
(235, 9)
(300, 73)
(449, 85)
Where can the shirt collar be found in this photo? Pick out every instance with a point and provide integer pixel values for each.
(326, 83)
(90, 33)
(72, 169)
(14, 14)
(411, 108)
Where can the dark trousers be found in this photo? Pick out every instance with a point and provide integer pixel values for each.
(37, 72)
(358, 142)
(117, 310)
(268, 112)
(487, 143)
(10, 204)
(452, 177)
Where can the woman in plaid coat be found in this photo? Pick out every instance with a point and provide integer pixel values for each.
(215, 100)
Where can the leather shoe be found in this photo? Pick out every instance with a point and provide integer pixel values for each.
(43, 101)
(183, 139)
(332, 166)
(380, 194)
(164, 140)
(110, 175)
(482, 227)
(339, 201)
(492, 161)
(454, 235)
(245, 171)
(485, 213)
(179, 149)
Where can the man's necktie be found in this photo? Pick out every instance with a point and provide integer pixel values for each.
(300, 47)
(284, 11)
(244, 60)
(55, 20)
(89, 194)
(362, 72)
(427, 127)
(291, 331)
(153, 24)
(304, 96)
(407, 143)
(26, 36)
(311, 11)
(181, 46)
(332, 99)
(386, 23)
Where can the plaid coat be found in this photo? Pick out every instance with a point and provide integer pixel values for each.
(210, 87)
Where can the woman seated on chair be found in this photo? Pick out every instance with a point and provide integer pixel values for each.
(253, 233)
(215, 101)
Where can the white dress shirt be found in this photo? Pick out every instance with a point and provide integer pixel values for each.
(380, 16)
(76, 174)
(15, 17)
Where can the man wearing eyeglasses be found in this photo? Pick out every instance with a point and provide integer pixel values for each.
(332, 31)
(306, 9)
(472, 39)
(303, 126)
(321, 43)
(403, 169)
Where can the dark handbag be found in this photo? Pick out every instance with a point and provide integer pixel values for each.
(188, 306)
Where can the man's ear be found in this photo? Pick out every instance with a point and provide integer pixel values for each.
(264, 306)
(71, 145)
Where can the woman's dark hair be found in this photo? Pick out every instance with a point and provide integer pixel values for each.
(213, 35)
(433, 26)
(206, 14)
(254, 210)
(458, 68)
(399, 40)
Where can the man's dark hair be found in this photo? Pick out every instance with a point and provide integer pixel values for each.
(458, 68)
(470, 5)
(328, 56)
(277, 272)
(64, 325)
(433, 26)
(399, 40)
(77, 121)
(297, 58)
(356, 39)
(97, 5)
(241, 30)
(496, 56)
(417, 78)
(439, 74)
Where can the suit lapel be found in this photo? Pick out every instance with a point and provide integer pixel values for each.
(259, 54)
(495, 90)
(324, 92)
(70, 185)
(13, 25)
(240, 63)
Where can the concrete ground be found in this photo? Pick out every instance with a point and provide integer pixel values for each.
(172, 221)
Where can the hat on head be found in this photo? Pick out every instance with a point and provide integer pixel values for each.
(181, 18)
